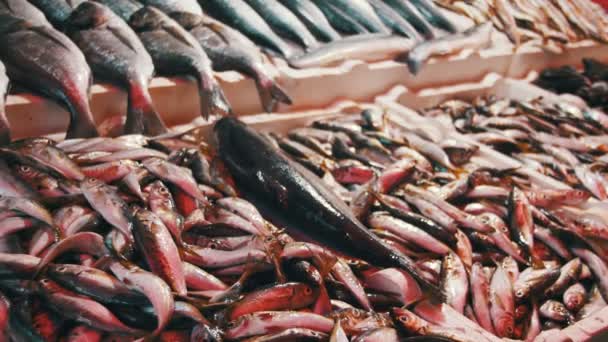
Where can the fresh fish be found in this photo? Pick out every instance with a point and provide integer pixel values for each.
(394, 20)
(179, 176)
(314, 19)
(150, 285)
(50, 64)
(480, 295)
(238, 14)
(176, 52)
(94, 283)
(264, 322)
(409, 12)
(109, 205)
(598, 268)
(363, 13)
(368, 48)
(569, 274)
(229, 49)
(521, 223)
(556, 311)
(502, 303)
(162, 205)
(574, 297)
(532, 282)
(504, 13)
(284, 22)
(17, 265)
(379, 335)
(82, 309)
(123, 8)
(395, 283)
(56, 11)
(44, 157)
(595, 302)
(591, 180)
(25, 10)
(170, 6)
(339, 19)
(547, 237)
(293, 187)
(111, 171)
(475, 38)
(115, 53)
(454, 281)
(159, 249)
(199, 280)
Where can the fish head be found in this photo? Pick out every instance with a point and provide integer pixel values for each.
(158, 191)
(91, 184)
(304, 294)
(146, 18)
(505, 324)
(27, 172)
(407, 320)
(187, 20)
(49, 287)
(88, 15)
(239, 141)
(10, 24)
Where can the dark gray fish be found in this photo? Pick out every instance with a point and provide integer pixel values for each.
(363, 13)
(5, 130)
(56, 11)
(394, 20)
(170, 6)
(313, 18)
(413, 16)
(229, 49)
(434, 15)
(176, 52)
(47, 62)
(238, 14)
(339, 19)
(284, 22)
(24, 9)
(115, 53)
(123, 8)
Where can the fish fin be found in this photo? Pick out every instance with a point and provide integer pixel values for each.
(271, 93)
(141, 114)
(44, 31)
(217, 28)
(177, 34)
(212, 98)
(123, 39)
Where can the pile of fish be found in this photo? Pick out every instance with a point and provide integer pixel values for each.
(549, 24)
(512, 257)
(591, 84)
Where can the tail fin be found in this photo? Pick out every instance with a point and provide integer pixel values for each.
(82, 124)
(5, 130)
(270, 92)
(212, 98)
(142, 118)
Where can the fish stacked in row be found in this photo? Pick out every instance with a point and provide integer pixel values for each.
(549, 24)
(590, 84)
(115, 239)
(125, 44)
(513, 258)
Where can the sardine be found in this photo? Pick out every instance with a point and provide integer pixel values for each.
(295, 188)
(176, 52)
(50, 64)
(238, 14)
(314, 19)
(434, 15)
(115, 53)
(363, 13)
(475, 38)
(170, 6)
(413, 15)
(339, 19)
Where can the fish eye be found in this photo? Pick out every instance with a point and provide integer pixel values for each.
(519, 293)
(403, 319)
(213, 245)
(307, 290)
(25, 168)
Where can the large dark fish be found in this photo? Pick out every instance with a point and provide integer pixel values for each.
(434, 15)
(313, 18)
(176, 52)
(25, 10)
(238, 14)
(56, 11)
(229, 49)
(46, 61)
(413, 15)
(284, 22)
(476, 38)
(5, 130)
(170, 6)
(115, 53)
(254, 161)
(394, 20)
(123, 8)
(339, 19)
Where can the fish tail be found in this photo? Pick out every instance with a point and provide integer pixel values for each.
(212, 98)
(5, 129)
(142, 117)
(270, 92)
(429, 290)
(81, 124)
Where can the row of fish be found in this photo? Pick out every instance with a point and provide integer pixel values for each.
(513, 257)
(590, 84)
(549, 24)
(126, 51)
